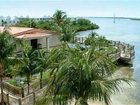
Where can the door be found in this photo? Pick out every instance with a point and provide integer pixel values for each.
(34, 43)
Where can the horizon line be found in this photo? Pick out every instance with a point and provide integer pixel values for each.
(45, 16)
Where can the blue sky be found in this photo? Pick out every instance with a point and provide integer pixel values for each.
(39, 8)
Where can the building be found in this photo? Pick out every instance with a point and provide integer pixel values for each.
(35, 37)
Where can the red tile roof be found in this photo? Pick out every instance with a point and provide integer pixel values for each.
(16, 30)
(34, 35)
(23, 32)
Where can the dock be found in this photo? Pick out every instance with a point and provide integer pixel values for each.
(125, 52)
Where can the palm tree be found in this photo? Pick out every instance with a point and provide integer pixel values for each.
(28, 64)
(41, 62)
(82, 75)
(7, 48)
(63, 26)
(67, 33)
(59, 17)
(32, 23)
(95, 40)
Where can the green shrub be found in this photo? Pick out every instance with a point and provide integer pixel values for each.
(82, 24)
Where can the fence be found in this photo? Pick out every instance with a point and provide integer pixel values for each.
(23, 91)
(27, 100)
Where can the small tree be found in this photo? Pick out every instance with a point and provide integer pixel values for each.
(59, 17)
(27, 22)
(41, 62)
(7, 48)
(67, 33)
(27, 63)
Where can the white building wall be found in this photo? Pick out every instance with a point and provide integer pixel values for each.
(46, 42)
(53, 40)
(42, 41)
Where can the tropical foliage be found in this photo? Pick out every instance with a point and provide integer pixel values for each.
(27, 22)
(83, 24)
(64, 26)
(41, 63)
(58, 19)
(95, 40)
(67, 33)
(81, 75)
(28, 64)
(46, 25)
(7, 48)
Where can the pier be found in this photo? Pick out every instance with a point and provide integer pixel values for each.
(125, 52)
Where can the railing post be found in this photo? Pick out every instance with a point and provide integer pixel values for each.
(34, 98)
(7, 95)
(22, 92)
(19, 100)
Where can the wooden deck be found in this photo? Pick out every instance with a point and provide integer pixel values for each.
(125, 51)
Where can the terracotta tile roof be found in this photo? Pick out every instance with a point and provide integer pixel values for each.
(16, 30)
(23, 32)
(34, 35)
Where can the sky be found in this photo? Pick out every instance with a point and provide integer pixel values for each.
(82, 8)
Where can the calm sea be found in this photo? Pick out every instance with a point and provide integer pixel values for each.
(128, 31)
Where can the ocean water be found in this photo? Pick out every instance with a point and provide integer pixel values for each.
(128, 31)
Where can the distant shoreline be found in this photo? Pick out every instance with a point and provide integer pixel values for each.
(113, 17)
(137, 19)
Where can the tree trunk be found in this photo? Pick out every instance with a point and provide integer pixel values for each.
(41, 74)
(81, 101)
(1, 83)
(76, 102)
(28, 83)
